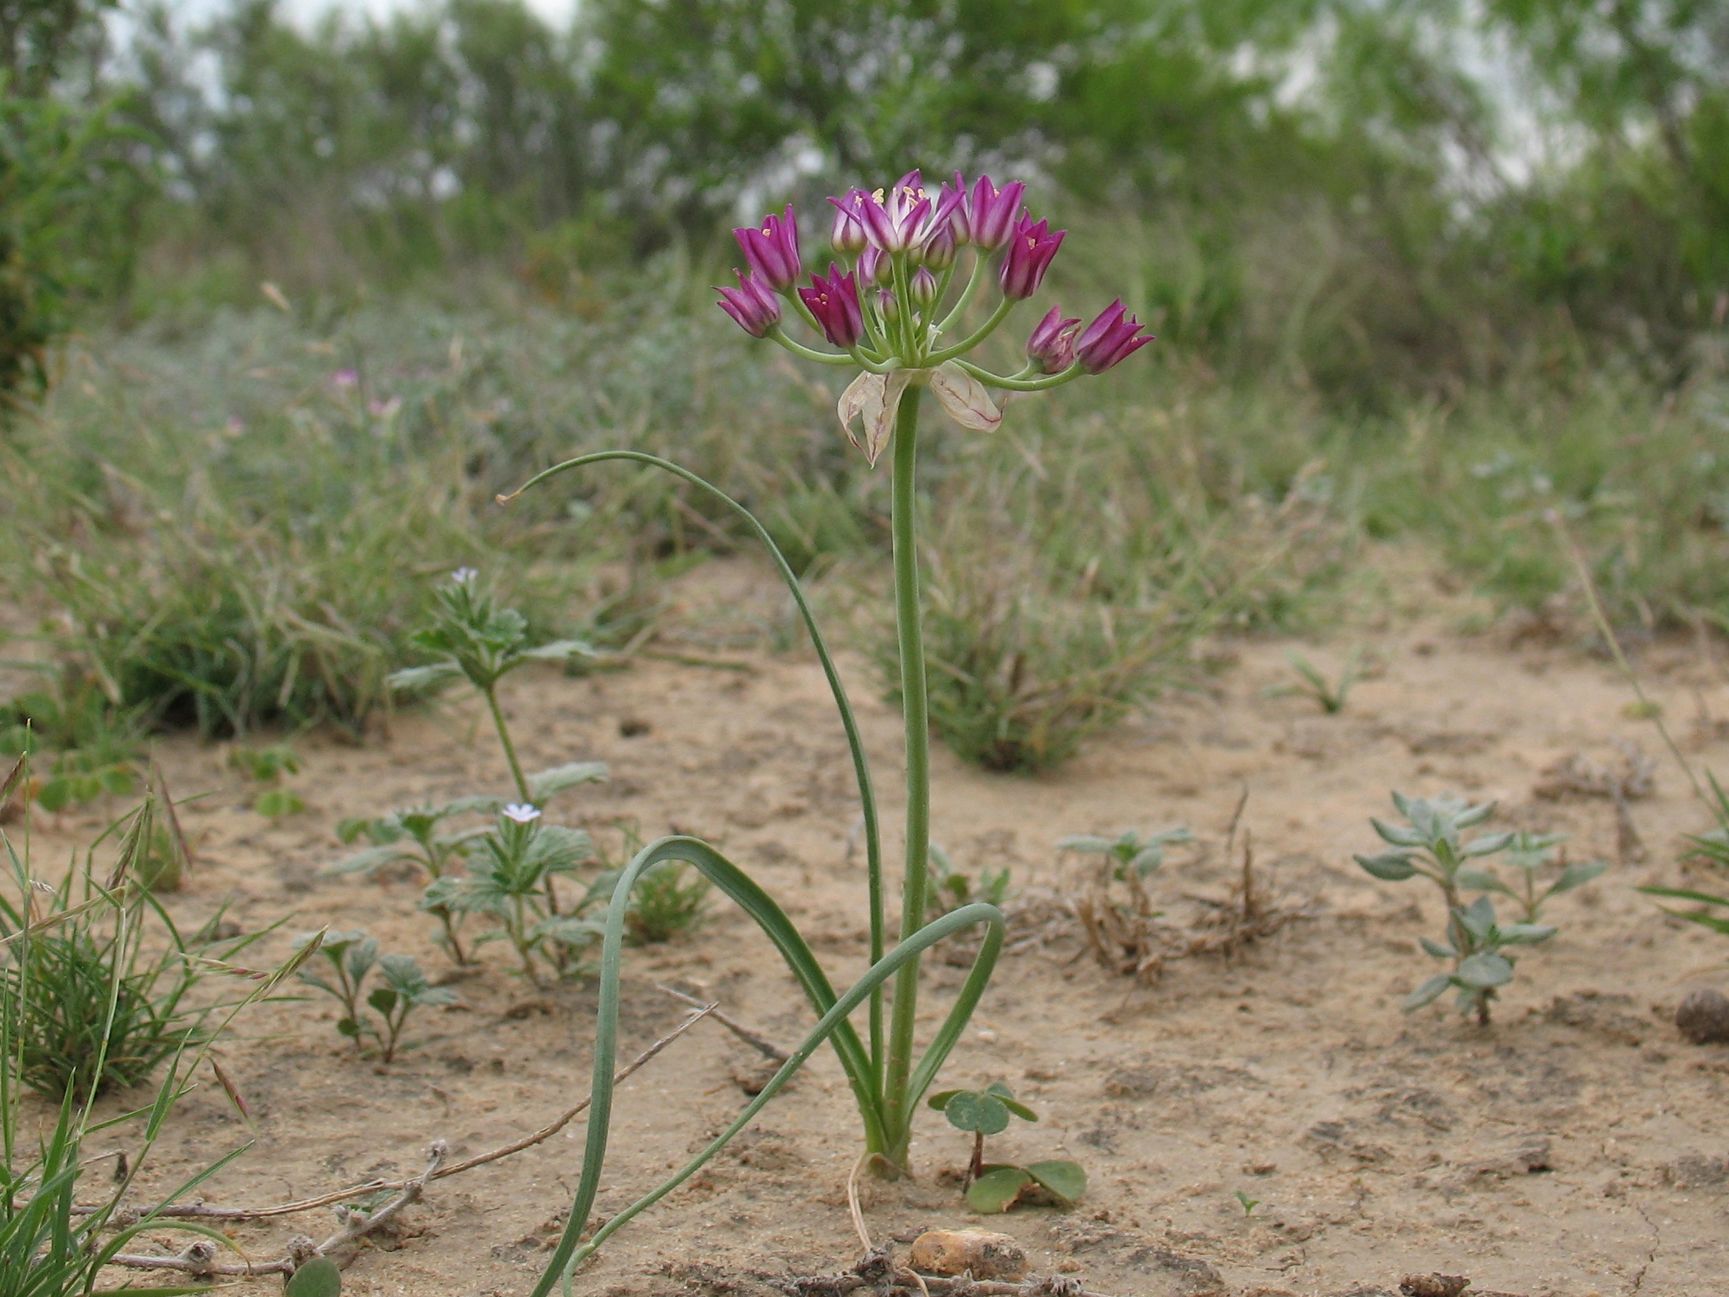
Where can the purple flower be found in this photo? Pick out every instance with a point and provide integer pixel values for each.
(772, 251)
(754, 308)
(847, 237)
(1052, 344)
(1109, 338)
(345, 378)
(951, 210)
(874, 267)
(924, 287)
(1029, 255)
(992, 212)
(894, 219)
(834, 301)
(940, 250)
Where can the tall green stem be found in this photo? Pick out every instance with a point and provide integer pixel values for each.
(915, 707)
(509, 747)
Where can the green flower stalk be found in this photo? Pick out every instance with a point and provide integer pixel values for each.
(894, 308)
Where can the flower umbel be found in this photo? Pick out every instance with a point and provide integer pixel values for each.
(898, 303)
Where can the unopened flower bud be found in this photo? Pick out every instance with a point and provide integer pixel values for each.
(924, 286)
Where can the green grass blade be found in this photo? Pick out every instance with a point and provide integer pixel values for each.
(832, 1027)
(855, 743)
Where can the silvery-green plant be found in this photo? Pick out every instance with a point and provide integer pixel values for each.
(347, 963)
(1432, 844)
(1129, 852)
(1541, 870)
(893, 307)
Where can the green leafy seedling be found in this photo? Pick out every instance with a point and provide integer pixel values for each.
(1129, 852)
(994, 1187)
(950, 888)
(270, 766)
(1247, 1203)
(349, 959)
(1330, 694)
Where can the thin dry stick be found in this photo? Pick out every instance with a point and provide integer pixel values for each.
(202, 1211)
(755, 1040)
(1608, 632)
(199, 1260)
(840, 1284)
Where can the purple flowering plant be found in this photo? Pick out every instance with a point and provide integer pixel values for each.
(891, 304)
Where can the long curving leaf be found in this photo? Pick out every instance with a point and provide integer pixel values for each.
(855, 743)
(832, 1027)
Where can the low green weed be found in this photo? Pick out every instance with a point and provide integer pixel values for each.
(348, 960)
(83, 748)
(270, 766)
(1432, 844)
(1330, 694)
(66, 1208)
(993, 1187)
(951, 889)
(104, 990)
(511, 868)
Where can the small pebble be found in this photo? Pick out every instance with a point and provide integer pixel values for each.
(957, 1251)
(1704, 1017)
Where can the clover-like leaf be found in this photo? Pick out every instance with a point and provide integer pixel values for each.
(319, 1277)
(978, 1111)
(997, 1189)
(1065, 1181)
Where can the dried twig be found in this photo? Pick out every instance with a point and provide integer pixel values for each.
(204, 1211)
(837, 1285)
(764, 1046)
(199, 1260)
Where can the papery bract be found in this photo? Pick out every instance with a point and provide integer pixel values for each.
(772, 251)
(1109, 338)
(873, 400)
(833, 300)
(1030, 252)
(967, 400)
(751, 304)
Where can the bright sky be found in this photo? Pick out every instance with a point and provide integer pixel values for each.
(557, 10)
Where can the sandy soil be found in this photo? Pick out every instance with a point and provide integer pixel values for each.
(1577, 1146)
